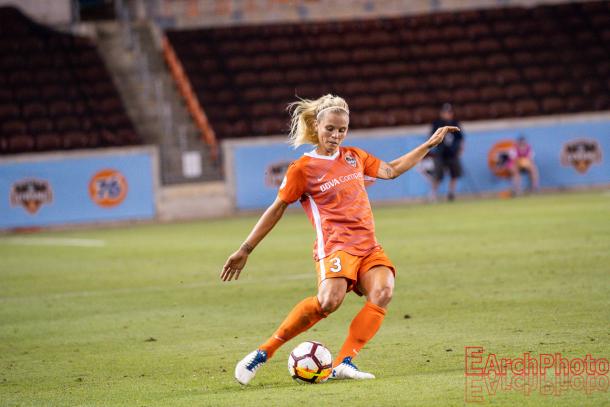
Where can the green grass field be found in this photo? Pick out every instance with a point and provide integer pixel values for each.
(143, 319)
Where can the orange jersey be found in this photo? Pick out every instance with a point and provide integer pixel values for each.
(331, 191)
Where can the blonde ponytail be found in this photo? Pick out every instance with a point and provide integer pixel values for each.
(304, 114)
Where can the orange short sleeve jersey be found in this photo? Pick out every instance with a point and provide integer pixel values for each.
(332, 193)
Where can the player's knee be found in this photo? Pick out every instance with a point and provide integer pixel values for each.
(382, 295)
(330, 303)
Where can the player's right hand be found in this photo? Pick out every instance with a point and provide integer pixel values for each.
(439, 135)
(234, 265)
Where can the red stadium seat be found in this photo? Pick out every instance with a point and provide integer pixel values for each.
(390, 100)
(565, 88)
(491, 93)
(14, 127)
(400, 116)
(601, 102)
(372, 70)
(9, 111)
(488, 45)
(576, 103)
(48, 141)
(474, 111)
(501, 109)
(507, 75)
(40, 125)
(533, 73)
(34, 109)
(77, 139)
(68, 123)
(517, 91)
(543, 89)
(60, 107)
(20, 143)
(425, 114)
(363, 103)
(526, 107)
(27, 94)
(408, 83)
(415, 98)
(465, 95)
(481, 78)
(498, 60)
(553, 104)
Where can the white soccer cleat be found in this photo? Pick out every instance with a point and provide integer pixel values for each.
(245, 370)
(347, 370)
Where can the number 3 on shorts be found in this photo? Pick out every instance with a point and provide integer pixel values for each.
(337, 263)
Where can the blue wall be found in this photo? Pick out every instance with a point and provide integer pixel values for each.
(68, 181)
(251, 162)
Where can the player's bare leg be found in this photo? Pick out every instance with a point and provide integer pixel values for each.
(534, 177)
(434, 193)
(303, 316)
(452, 184)
(516, 180)
(378, 286)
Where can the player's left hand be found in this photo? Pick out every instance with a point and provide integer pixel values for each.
(439, 135)
(234, 265)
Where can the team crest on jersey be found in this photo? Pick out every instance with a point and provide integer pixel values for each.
(31, 194)
(350, 160)
(581, 153)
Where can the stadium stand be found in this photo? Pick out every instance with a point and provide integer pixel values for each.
(55, 92)
(493, 63)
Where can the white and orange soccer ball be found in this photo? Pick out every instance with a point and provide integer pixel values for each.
(310, 362)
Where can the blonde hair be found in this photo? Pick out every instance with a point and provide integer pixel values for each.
(304, 114)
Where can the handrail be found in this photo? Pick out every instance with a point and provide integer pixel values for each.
(192, 103)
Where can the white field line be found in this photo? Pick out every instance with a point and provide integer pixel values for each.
(199, 284)
(54, 241)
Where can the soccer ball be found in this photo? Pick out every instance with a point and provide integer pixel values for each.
(310, 362)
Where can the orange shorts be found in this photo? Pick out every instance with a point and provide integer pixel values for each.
(343, 264)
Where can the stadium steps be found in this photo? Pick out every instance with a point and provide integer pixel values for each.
(174, 136)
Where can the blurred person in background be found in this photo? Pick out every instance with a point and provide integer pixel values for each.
(447, 154)
(523, 162)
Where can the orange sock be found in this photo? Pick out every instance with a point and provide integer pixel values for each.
(362, 329)
(302, 317)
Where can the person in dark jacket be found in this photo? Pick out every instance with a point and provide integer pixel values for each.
(447, 154)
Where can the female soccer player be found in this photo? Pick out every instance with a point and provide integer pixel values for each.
(329, 183)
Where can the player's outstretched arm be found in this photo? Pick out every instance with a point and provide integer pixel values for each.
(236, 262)
(402, 164)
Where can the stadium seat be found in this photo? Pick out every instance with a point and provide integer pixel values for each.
(47, 80)
(20, 143)
(9, 111)
(48, 141)
(499, 62)
(543, 88)
(526, 107)
(40, 125)
(553, 104)
(33, 110)
(491, 93)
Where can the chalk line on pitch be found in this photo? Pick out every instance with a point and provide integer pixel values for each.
(152, 289)
(54, 241)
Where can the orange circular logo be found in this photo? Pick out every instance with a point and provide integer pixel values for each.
(500, 156)
(108, 188)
